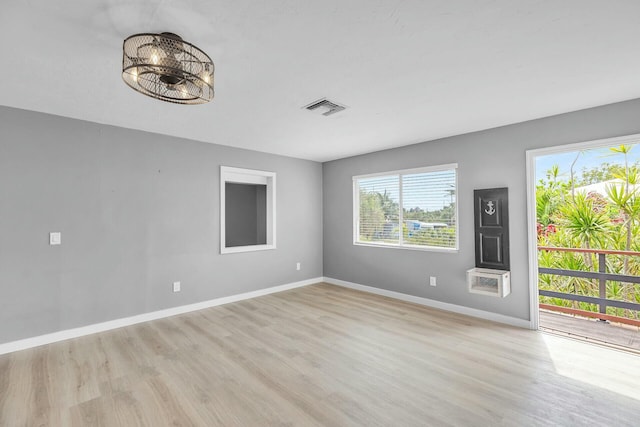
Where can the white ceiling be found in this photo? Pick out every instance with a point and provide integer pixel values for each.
(409, 71)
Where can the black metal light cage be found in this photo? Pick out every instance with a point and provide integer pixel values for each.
(165, 67)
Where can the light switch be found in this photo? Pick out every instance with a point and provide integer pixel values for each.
(55, 238)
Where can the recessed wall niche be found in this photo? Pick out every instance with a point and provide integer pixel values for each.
(247, 210)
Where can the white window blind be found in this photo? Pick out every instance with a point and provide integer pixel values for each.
(414, 208)
(379, 209)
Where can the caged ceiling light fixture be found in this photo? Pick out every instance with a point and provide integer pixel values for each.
(163, 66)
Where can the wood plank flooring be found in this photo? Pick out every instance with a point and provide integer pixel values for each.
(592, 329)
(319, 356)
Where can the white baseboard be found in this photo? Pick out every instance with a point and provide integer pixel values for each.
(118, 323)
(433, 303)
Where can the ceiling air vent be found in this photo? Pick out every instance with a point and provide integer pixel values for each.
(325, 106)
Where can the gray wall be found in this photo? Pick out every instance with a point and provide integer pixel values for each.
(493, 158)
(137, 211)
(246, 214)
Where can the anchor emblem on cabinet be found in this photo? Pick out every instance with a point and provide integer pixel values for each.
(490, 208)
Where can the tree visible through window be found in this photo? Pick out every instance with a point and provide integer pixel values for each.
(412, 208)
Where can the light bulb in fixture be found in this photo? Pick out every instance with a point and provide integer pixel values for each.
(155, 58)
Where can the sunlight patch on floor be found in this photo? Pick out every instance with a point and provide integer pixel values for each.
(595, 365)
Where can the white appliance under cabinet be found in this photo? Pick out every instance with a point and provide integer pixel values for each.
(487, 281)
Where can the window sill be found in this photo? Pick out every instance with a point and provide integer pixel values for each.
(408, 247)
(252, 248)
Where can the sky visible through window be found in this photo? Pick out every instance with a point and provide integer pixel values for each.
(440, 191)
(587, 159)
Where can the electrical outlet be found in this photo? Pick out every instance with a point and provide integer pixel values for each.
(432, 280)
(55, 238)
(176, 286)
(298, 266)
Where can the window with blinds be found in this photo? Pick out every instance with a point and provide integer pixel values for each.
(414, 208)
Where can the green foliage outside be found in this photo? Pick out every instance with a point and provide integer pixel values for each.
(570, 218)
(379, 222)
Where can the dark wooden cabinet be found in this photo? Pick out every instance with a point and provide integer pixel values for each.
(492, 228)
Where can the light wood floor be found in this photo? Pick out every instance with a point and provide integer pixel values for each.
(319, 355)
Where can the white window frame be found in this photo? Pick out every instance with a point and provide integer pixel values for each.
(401, 244)
(248, 176)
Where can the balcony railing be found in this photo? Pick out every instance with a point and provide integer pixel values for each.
(602, 277)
